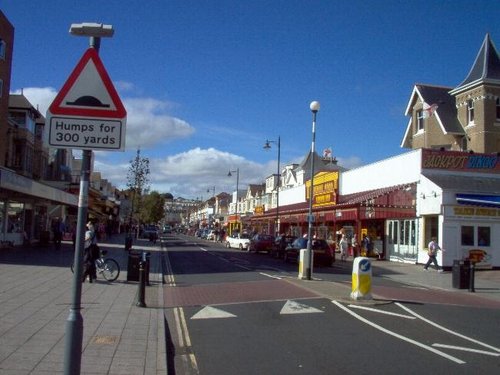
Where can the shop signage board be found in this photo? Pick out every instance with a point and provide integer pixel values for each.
(87, 113)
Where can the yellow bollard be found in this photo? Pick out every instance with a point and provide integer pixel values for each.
(304, 265)
(361, 279)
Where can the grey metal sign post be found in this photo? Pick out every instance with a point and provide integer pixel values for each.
(74, 323)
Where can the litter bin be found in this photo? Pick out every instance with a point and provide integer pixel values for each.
(134, 258)
(461, 274)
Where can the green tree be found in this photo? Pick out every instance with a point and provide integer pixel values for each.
(137, 183)
(152, 209)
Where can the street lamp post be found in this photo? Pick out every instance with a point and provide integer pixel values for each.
(211, 216)
(74, 323)
(237, 188)
(314, 106)
(267, 146)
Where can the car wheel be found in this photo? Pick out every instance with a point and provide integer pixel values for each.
(228, 245)
(240, 246)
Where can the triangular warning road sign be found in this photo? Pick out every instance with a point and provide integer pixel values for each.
(89, 92)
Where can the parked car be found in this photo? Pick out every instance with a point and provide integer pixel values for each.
(280, 244)
(261, 242)
(322, 252)
(238, 241)
(211, 235)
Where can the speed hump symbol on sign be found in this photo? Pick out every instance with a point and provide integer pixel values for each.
(87, 113)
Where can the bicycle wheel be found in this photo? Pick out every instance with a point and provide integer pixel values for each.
(110, 269)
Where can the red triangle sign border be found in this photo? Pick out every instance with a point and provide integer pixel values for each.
(118, 113)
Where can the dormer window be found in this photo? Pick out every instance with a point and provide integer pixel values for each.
(470, 111)
(420, 120)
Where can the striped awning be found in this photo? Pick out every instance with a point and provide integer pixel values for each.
(479, 200)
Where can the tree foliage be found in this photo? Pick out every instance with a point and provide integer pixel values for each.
(152, 208)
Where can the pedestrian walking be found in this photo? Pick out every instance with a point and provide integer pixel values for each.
(432, 250)
(343, 244)
(58, 229)
(90, 253)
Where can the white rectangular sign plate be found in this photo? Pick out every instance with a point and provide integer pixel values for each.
(83, 133)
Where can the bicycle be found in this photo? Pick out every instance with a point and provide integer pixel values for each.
(108, 267)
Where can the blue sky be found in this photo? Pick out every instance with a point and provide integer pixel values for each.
(205, 83)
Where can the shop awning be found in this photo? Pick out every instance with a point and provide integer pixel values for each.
(479, 200)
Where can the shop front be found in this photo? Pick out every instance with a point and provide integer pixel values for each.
(24, 208)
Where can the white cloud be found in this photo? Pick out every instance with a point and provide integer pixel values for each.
(148, 123)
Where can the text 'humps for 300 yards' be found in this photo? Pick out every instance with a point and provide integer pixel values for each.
(85, 133)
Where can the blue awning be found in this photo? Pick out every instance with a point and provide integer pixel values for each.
(479, 200)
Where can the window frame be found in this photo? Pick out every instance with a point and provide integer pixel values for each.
(420, 120)
(470, 111)
(3, 49)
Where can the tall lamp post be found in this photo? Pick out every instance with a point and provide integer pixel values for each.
(267, 146)
(237, 171)
(314, 106)
(74, 323)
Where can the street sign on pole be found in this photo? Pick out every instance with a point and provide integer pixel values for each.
(87, 113)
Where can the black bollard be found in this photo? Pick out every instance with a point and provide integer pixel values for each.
(128, 242)
(471, 280)
(142, 283)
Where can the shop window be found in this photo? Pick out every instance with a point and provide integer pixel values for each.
(2, 205)
(15, 222)
(467, 235)
(470, 112)
(483, 236)
(498, 109)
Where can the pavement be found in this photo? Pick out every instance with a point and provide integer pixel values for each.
(120, 337)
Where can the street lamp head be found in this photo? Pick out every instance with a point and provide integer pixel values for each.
(267, 145)
(229, 174)
(97, 30)
(314, 106)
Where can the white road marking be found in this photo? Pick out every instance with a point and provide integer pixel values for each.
(381, 311)
(180, 323)
(271, 276)
(466, 349)
(404, 338)
(292, 307)
(448, 330)
(210, 312)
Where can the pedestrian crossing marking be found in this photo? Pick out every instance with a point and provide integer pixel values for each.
(210, 312)
(292, 307)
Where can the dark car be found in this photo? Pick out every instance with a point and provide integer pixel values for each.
(322, 252)
(261, 242)
(150, 231)
(280, 244)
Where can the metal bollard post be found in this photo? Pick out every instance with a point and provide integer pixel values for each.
(142, 282)
(471, 276)
(128, 242)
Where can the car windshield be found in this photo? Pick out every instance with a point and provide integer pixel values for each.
(301, 243)
(265, 237)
